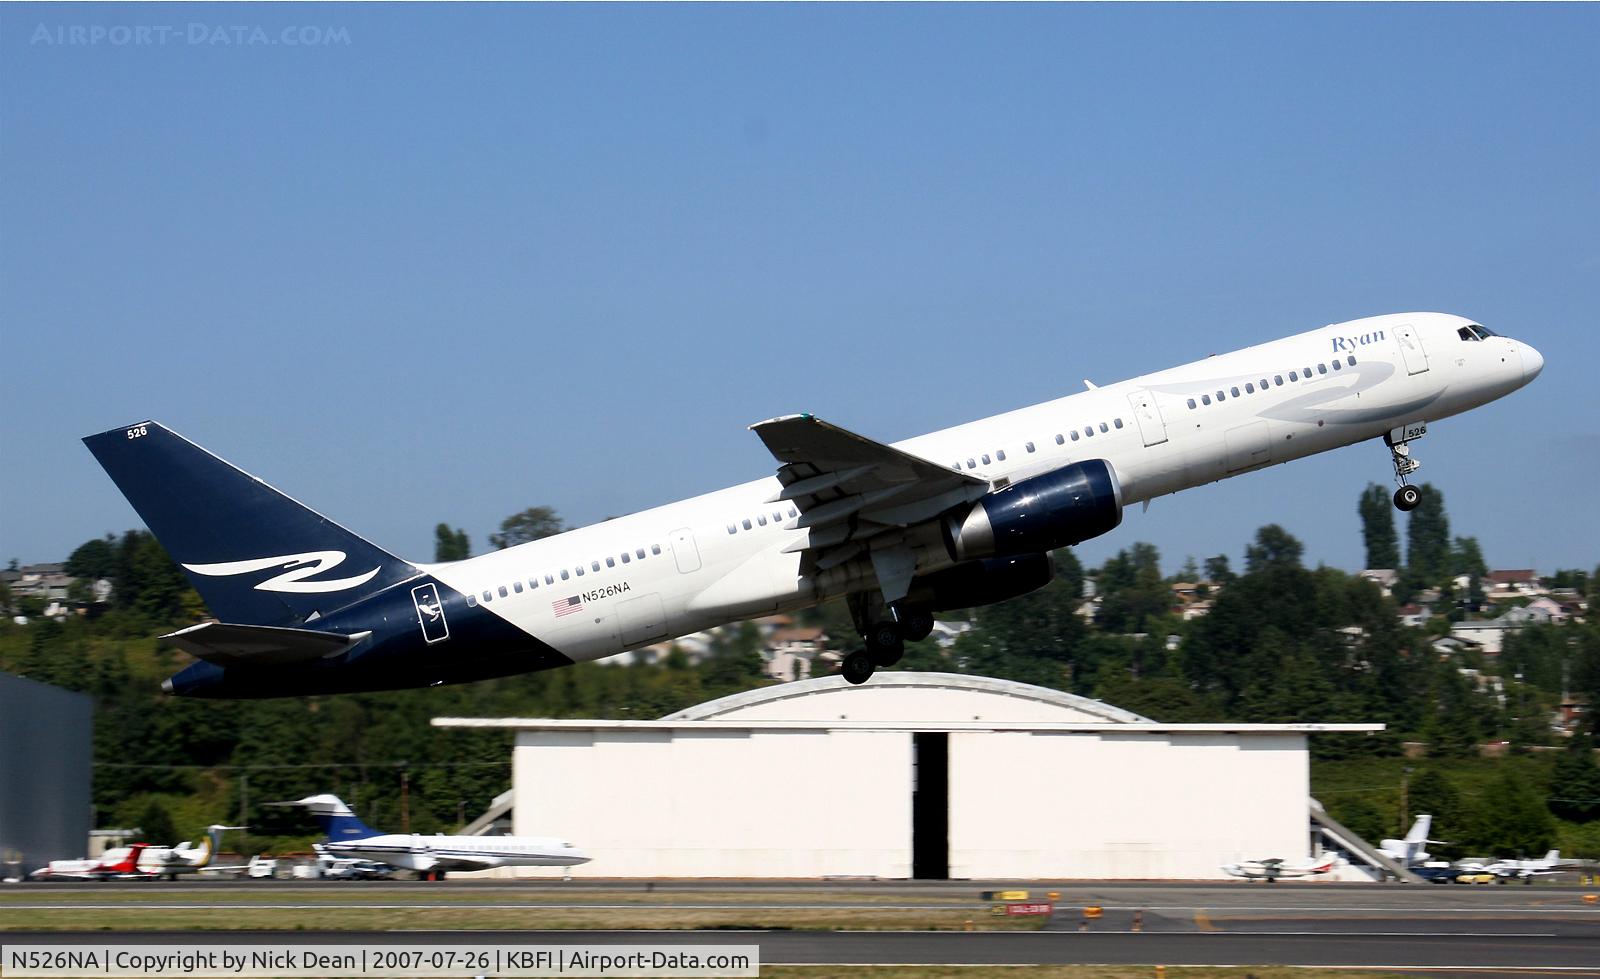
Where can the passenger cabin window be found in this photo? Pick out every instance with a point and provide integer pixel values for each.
(564, 574)
(639, 554)
(1249, 388)
(1277, 379)
(579, 569)
(1062, 441)
(1029, 446)
(611, 562)
(1294, 376)
(1337, 365)
(594, 565)
(1000, 455)
(516, 586)
(1263, 384)
(1234, 392)
(1075, 435)
(626, 559)
(986, 458)
(1351, 360)
(1191, 402)
(761, 519)
(550, 580)
(972, 463)
(1322, 368)
(1206, 398)
(487, 596)
(1104, 427)
(502, 591)
(1088, 431)
(1117, 422)
(655, 548)
(533, 582)
(1221, 396)
(745, 523)
(793, 512)
(472, 600)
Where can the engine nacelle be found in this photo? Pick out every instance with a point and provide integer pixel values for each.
(1054, 509)
(984, 582)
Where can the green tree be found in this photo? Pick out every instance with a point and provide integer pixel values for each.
(1512, 819)
(531, 524)
(94, 559)
(1275, 549)
(450, 545)
(1428, 540)
(1430, 792)
(1132, 591)
(1218, 570)
(155, 825)
(1575, 782)
(1377, 528)
(1360, 817)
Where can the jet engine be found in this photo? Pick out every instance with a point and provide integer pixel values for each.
(1054, 509)
(983, 582)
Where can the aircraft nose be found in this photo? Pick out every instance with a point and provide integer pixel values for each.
(1532, 362)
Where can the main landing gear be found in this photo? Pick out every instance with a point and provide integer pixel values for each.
(885, 633)
(1399, 442)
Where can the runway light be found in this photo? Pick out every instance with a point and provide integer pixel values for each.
(1591, 898)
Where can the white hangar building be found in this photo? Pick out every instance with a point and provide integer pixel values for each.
(911, 775)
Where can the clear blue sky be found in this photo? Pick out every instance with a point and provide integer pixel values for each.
(467, 259)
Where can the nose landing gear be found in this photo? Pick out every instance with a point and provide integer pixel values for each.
(1399, 442)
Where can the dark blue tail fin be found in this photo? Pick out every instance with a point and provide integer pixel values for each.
(255, 556)
(337, 820)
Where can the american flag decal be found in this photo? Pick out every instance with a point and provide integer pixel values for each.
(567, 606)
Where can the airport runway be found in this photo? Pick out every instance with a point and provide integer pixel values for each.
(1487, 930)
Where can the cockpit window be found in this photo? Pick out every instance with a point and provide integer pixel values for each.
(1475, 332)
(1484, 331)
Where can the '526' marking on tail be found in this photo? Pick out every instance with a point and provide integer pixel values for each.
(298, 567)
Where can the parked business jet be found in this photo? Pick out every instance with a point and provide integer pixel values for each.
(116, 863)
(1523, 870)
(958, 518)
(1409, 852)
(1276, 868)
(185, 858)
(431, 856)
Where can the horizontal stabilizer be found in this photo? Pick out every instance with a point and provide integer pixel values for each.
(231, 644)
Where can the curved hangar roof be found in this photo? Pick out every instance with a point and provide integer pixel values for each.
(908, 698)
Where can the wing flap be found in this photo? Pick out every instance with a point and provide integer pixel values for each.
(849, 489)
(233, 644)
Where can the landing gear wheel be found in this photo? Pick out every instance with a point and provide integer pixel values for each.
(884, 644)
(916, 624)
(1406, 498)
(858, 667)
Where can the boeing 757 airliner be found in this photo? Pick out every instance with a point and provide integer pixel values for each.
(955, 519)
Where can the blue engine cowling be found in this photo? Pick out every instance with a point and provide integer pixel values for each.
(1054, 509)
(985, 582)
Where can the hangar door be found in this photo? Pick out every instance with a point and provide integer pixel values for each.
(930, 805)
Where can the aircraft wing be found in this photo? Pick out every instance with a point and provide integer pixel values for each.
(231, 644)
(854, 494)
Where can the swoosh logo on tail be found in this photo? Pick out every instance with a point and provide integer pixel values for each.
(297, 568)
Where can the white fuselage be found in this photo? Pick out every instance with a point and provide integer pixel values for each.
(712, 559)
(413, 851)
